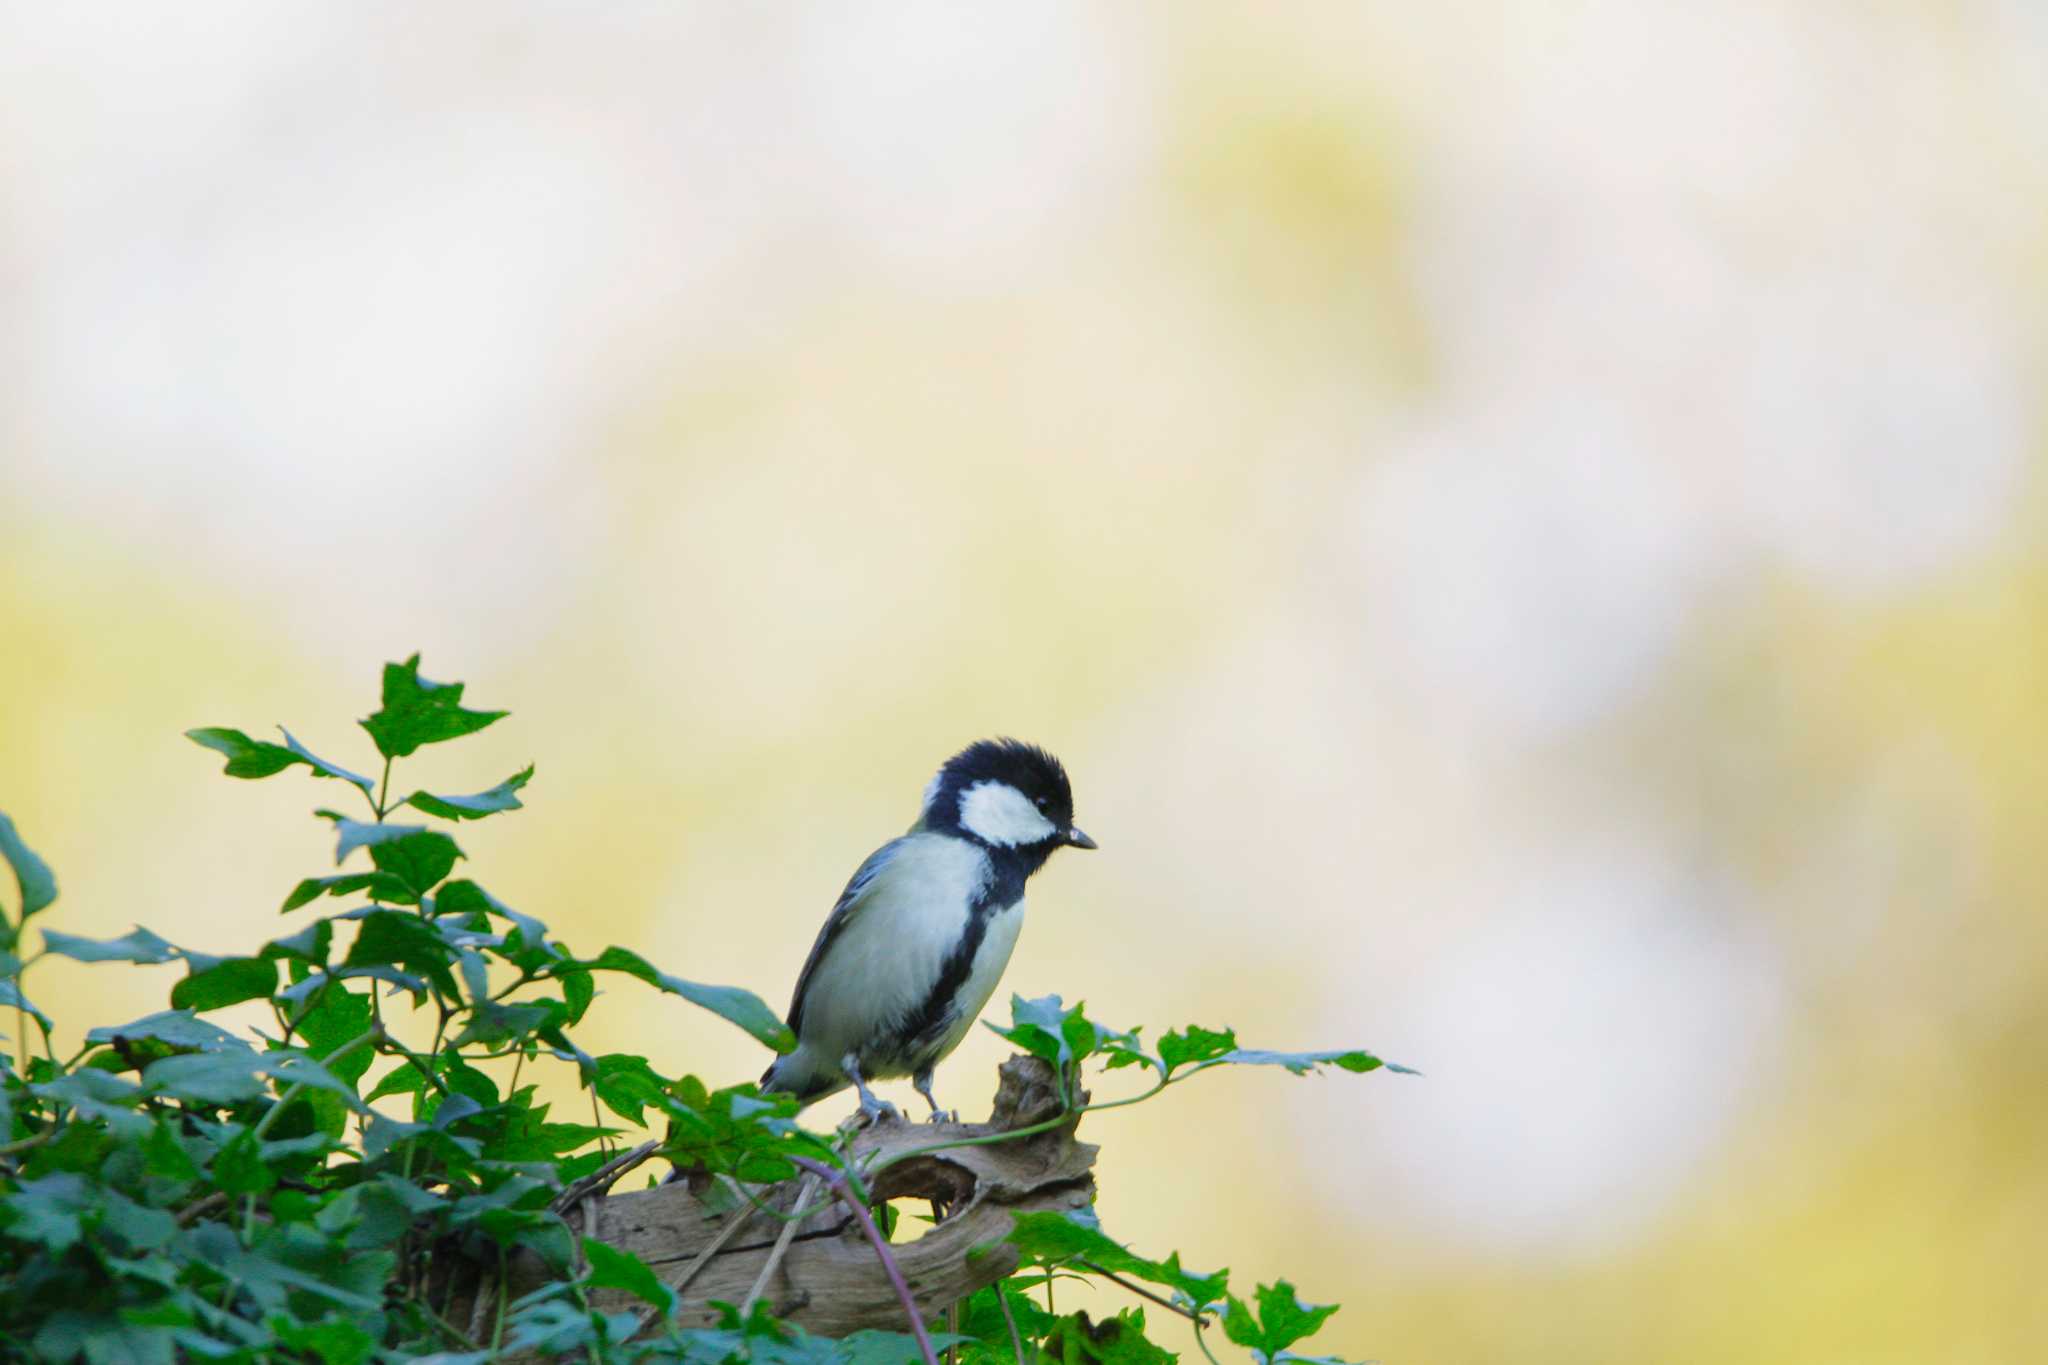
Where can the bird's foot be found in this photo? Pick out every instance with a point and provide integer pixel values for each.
(880, 1111)
(943, 1116)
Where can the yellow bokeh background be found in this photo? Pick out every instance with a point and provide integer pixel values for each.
(1525, 523)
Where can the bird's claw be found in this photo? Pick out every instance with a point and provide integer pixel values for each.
(943, 1116)
(881, 1111)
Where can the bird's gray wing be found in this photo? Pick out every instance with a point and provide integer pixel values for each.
(843, 911)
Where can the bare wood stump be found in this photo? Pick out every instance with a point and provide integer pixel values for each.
(829, 1280)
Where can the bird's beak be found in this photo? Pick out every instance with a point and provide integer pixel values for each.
(1076, 839)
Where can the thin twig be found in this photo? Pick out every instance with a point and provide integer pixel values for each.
(781, 1247)
(1010, 1321)
(34, 1140)
(604, 1176)
(1139, 1290)
(837, 1180)
(198, 1207)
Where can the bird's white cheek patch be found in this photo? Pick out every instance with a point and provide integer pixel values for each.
(999, 813)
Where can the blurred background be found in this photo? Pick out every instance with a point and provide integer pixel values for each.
(1526, 524)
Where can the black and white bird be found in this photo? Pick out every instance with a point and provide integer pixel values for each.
(922, 933)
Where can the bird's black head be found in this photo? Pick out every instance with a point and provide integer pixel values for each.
(1006, 794)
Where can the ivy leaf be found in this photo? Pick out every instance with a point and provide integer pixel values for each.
(253, 758)
(466, 898)
(392, 936)
(1282, 1320)
(138, 945)
(47, 1210)
(336, 1341)
(381, 886)
(219, 1078)
(418, 860)
(310, 944)
(296, 1068)
(611, 1268)
(1039, 1027)
(1053, 1237)
(1121, 1340)
(578, 990)
(499, 798)
(341, 1016)
(12, 998)
(218, 981)
(627, 1084)
(1194, 1044)
(351, 835)
(731, 1003)
(1301, 1063)
(417, 711)
(31, 874)
(179, 1028)
(321, 767)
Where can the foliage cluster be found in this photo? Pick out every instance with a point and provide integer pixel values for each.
(177, 1190)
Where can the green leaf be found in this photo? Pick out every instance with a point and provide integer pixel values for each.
(340, 1017)
(253, 758)
(731, 1003)
(381, 886)
(138, 945)
(12, 998)
(627, 1084)
(1301, 1063)
(47, 1210)
(239, 1167)
(417, 711)
(215, 982)
(1054, 1237)
(499, 798)
(578, 990)
(351, 835)
(31, 874)
(164, 1154)
(418, 860)
(321, 767)
(177, 1027)
(397, 937)
(1282, 1320)
(310, 944)
(465, 897)
(289, 1068)
(1039, 1027)
(336, 1341)
(611, 1268)
(220, 1078)
(1079, 1340)
(1194, 1044)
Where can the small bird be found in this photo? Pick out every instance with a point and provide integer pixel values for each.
(921, 935)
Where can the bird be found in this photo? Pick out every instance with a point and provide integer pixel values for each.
(919, 938)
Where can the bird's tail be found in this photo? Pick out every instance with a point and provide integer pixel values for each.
(801, 1074)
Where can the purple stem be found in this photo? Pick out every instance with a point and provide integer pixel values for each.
(837, 1181)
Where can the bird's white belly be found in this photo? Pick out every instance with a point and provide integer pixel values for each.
(889, 956)
(989, 963)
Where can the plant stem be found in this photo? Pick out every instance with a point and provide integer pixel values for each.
(1138, 1289)
(383, 791)
(297, 1088)
(837, 1181)
(1010, 1321)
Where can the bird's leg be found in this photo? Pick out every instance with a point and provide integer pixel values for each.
(875, 1109)
(922, 1083)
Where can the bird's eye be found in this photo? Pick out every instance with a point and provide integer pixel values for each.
(1041, 802)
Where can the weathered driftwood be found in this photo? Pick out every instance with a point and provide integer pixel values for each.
(829, 1279)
